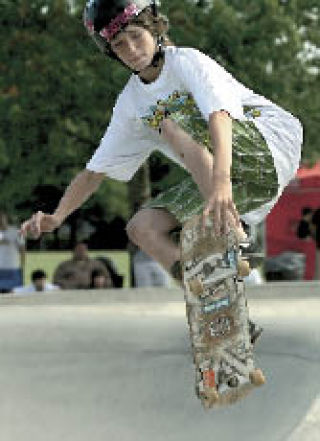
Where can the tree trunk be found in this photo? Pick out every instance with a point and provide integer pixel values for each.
(139, 188)
(139, 192)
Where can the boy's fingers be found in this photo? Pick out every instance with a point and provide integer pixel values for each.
(223, 217)
(32, 226)
(217, 218)
(235, 214)
(38, 218)
(23, 228)
(205, 215)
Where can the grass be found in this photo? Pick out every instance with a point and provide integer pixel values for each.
(49, 260)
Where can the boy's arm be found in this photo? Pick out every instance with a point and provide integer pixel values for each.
(211, 174)
(79, 190)
(220, 128)
(220, 201)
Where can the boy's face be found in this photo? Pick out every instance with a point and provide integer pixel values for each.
(40, 284)
(135, 46)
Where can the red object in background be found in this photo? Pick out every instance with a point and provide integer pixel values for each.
(284, 218)
(209, 378)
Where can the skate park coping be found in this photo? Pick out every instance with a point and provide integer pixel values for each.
(272, 291)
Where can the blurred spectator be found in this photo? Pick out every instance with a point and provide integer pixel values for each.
(309, 227)
(99, 280)
(12, 255)
(117, 279)
(289, 265)
(39, 283)
(305, 223)
(148, 272)
(76, 272)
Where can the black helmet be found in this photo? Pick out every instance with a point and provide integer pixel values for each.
(107, 17)
(104, 19)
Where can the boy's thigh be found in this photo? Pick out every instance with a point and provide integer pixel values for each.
(148, 219)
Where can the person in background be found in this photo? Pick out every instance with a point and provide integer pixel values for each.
(99, 280)
(148, 272)
(12, 255)
(309, 227)
(76, 272)
(39, 283)
(117, 279)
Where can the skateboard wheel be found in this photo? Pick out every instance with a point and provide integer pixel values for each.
(195, 286)
(257, 378)
(243, 268)
(210, 398)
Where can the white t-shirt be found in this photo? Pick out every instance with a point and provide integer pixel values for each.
(9, 249)
(28, 289)
(127, 142)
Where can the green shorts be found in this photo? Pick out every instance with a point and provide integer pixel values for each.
(254, 178)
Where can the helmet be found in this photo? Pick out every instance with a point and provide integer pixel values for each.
(107, 17)
(104, 19)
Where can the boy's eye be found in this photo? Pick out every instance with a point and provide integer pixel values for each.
(117, 44)
(120, 43)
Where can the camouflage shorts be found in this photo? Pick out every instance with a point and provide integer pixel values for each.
(254, 178)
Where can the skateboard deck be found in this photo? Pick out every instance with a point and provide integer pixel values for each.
(217, 315)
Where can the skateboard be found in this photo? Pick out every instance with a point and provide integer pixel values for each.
(217, 315)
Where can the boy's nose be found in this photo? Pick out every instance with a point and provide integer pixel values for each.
(131, 48)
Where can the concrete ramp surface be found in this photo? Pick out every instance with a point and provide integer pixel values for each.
(116, 365)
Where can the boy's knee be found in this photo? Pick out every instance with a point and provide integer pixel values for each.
(132, 230)
(138, 228)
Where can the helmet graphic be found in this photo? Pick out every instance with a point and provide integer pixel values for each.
(107, 18)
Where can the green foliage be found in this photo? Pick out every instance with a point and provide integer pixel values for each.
(57, 91)
(56, 101)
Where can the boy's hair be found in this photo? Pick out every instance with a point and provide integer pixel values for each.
(38, 274)
(157, 26)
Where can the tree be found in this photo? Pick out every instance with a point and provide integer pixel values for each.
(57, 91)
(57, 94)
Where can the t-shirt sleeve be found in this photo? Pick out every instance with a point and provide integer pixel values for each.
(212, 87)
(122, 149)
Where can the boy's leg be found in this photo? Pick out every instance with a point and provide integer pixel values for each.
(197, 159)
(149, 229)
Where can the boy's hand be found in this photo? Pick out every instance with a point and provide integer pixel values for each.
(221, 205)
(40, 223)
